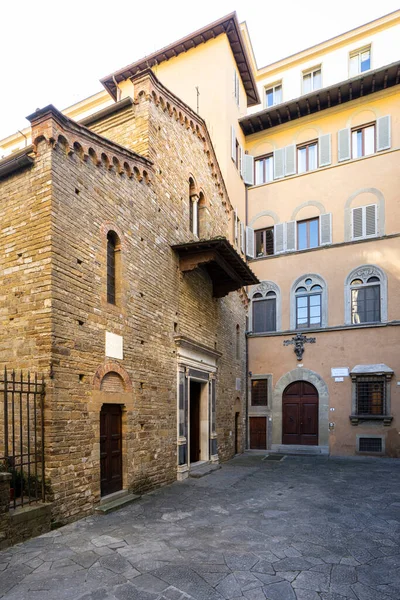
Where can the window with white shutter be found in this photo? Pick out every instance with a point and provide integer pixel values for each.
(241, 160)
(344, 144)
(279, 163)
(290, 235)
(325, 224)
(324, 150)
(248, 169)
(383, 133)
(250, 241)
(279, 238)
(364, 221)
(290, 159)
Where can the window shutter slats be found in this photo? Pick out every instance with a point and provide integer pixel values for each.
(248, 169)
(325, 223)
(290, 159)
(344, 144)
(279, 163)
(242, 238)
(324, 147)
(233, 143)
(370, 220)
(291, 235)
(383, 133)
(250, 242)
(357, 222)
(279, 238)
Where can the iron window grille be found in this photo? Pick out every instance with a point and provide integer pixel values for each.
(259, 392)
(371, 395)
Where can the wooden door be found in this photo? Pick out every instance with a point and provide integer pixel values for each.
(300, 414)
(237, 432)
(258, 433)
(195, 389)
(110, 449)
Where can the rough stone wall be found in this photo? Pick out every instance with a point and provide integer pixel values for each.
(90, 196)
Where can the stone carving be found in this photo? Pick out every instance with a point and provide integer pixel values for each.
(298, 341)
(364, 273)
(264, 287)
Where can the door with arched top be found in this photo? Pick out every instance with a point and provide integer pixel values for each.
(300, 414)
(110, 449)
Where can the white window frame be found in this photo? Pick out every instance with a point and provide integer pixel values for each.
(315, 280)
(311, 72)
(358, 53)
(364, 272)
(272, 87)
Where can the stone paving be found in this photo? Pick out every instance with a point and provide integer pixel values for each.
(306, 528)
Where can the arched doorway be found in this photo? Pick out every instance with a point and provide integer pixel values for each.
(300, 414)
(110, 449)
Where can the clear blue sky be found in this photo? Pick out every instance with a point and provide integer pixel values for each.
(55, 51)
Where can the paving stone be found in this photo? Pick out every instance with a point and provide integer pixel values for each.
(130, 592)
(105, 540)
(292, 564)
(247, 580)
(229, 587)
(306, 595)
(310, 580)
(343, 575)
(150, 583)
(279, 591)
(264, 566)
(243, 561)
(364, 592)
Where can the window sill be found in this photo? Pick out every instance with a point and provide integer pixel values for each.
(355, 419)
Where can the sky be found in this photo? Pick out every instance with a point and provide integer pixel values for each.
(55, 52)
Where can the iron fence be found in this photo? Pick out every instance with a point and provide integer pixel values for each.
(22, 435)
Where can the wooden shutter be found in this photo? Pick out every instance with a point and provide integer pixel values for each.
(324, 150)
(383, 133)
(357, 219)
(290, 160)
(250, 242)
(248, 169)
(291, 235)
(242, 238)
(279, 238)
(279, 163)
(344, 144)
(233, 144)
(370, 220)
(325, 229)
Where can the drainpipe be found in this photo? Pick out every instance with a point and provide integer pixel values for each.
(247, 341)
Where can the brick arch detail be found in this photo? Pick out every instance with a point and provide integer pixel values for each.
(109, 367)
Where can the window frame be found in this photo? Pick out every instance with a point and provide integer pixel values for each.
(311, 72)
(113, 263)
(273, 87)
(263, 234)
(264, 288)
(362, 129)
(308, 221)
(381, 373)
(259, 298)
(301, 282)
(363, 287)
(252, 381)
(365, 272)
(306, 146)
(358, 53)
(309, 295)
(263, 158)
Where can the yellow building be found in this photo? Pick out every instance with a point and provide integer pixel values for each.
(308, 148)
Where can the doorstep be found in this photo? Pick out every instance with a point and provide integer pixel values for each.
(202, 468)
(302, 450)
(115, 501)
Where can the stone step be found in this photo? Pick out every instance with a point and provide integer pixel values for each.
(110, 504)
(202, 470)
(301, 450)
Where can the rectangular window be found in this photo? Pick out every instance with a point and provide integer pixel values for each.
(259, 392)
(363, 141)
(236, 88)
(264, 239)
(308, 311)
(308, 234)
(273, 95)
(359, 62)
(264, 314)
(307, 157)
(371, 395)
(264, 169)
(312, 80)
(366, 304)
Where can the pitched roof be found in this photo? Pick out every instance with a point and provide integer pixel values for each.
(228, 25)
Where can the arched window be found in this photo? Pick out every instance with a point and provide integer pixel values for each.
(201, 216)
(237, 342)
(265, 313)
(366, 296)
(193, 208)
(309, 303)
(113, 267)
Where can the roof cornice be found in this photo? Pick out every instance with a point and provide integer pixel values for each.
(228, 25)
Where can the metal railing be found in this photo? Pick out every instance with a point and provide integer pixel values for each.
(22, 435)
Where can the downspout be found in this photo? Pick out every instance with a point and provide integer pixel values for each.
(247, 341)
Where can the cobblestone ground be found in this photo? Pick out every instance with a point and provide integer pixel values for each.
(301, 529)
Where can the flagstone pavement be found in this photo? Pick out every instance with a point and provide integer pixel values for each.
(305, 528)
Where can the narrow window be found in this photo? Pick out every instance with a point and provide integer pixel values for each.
(273, 95)
(237, 342)
(360, 61)
(264, 241)
(259, 392)
(264, 169)
(312, 80)
(308, 234)
(308, 305)
(112, 266)
(363, 141)
(307, 157)
(264, 312)
(365, 301)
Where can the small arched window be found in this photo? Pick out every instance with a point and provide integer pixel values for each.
(113, 267)
(366, 291)
(309, 303)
